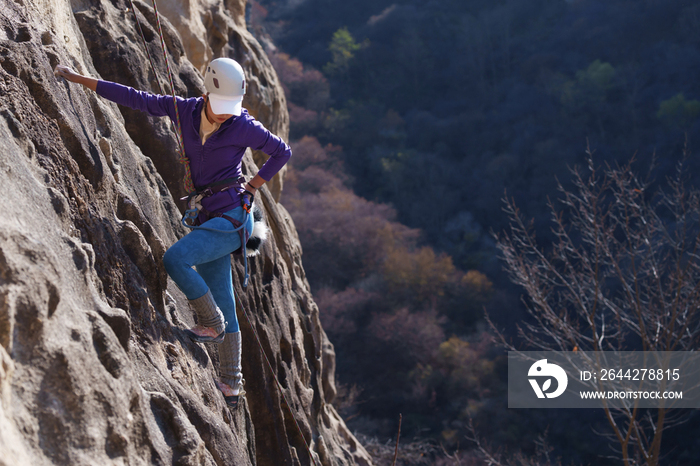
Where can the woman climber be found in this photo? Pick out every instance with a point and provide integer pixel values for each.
(216, 131)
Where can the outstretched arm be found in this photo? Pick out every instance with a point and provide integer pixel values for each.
(156, 105)
(67, 73)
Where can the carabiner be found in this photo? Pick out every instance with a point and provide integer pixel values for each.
(190, 218)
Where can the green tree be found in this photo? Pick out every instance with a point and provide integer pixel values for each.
(588, 96)
(590, 86)
(599, 77)
(343, 48)
(679, 112)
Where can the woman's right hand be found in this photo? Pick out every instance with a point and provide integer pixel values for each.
(67, 73)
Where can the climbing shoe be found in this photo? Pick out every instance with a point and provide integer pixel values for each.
(230, 366)
(208, 315)
(205, 338)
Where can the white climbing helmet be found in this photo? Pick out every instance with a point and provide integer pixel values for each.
(225, 82)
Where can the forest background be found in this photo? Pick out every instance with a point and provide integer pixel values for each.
(410, 121)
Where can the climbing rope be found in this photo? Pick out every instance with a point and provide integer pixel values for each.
(189, 186)
(182, 158)
(279, 386)
(143, 38)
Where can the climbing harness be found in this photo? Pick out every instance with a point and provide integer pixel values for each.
(274, 376)
(190, 218)
(195, 197)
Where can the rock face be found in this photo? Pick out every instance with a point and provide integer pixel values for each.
(94, 366)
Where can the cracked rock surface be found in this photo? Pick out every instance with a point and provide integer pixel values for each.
(94, 366)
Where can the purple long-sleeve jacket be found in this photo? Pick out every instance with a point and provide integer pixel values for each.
(220, 157)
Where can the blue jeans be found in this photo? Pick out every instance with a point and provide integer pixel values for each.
(210, 252)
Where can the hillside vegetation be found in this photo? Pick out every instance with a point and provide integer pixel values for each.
(410, 122)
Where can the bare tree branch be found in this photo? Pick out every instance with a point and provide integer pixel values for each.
(623, 273)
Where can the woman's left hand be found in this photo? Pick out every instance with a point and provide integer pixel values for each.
(250, 188)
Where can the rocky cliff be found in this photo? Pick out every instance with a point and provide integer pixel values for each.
(94, 366)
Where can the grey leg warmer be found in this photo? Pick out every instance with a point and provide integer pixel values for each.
(230, 361)
(208, 314)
